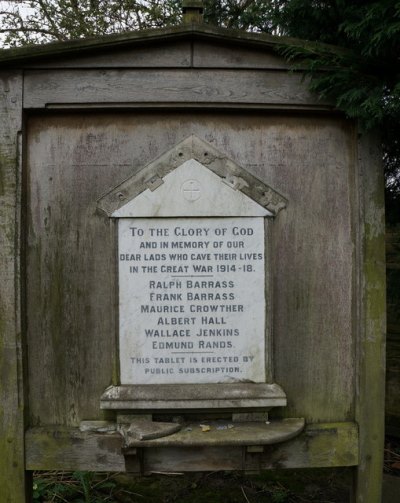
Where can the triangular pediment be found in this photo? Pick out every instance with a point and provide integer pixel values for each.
(192, 179)
(191, 190)
(153, 46)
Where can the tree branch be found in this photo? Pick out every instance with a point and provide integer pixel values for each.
(47, 15)
(27, 30)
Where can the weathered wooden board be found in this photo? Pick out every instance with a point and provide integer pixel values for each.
(73, 160)
(12, 477)
(205, 55)
(326, 249)
(166, 55)
(70, 449)
(372, 328)
(71, 328)
(312, 253)
(320, 445)
(181, 54)
(45, 88)
(147, 40)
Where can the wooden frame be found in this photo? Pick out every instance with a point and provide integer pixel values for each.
(324, 445)
(13, 479)
(372, 310)
(43, 65)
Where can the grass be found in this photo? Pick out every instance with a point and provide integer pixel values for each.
(284, 486)
(279, 486)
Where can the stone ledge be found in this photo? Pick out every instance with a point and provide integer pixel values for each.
(226, 433)
(193, 396)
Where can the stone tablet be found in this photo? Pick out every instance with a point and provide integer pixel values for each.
(192, 300)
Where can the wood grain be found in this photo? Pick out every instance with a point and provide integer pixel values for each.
(45, 87)
(170, 55)
(12, 471)
(205, 55)
(73, 160)
(326, 250)
(372, 327)
(320, 445)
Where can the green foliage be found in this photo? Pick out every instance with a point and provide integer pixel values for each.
(39, 490)
(364, 78)
(78, 487)
(249, 15)
(280, 496)
(37, 21)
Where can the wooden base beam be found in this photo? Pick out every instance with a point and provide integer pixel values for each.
(319, 445)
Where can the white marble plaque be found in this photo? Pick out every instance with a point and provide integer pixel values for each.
(192, 190)
(192, 300)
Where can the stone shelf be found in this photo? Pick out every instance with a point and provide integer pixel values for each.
(193, 396)
(227, 433)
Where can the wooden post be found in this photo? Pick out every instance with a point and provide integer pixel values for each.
(372, 314)
(13, 483)
(192, 11)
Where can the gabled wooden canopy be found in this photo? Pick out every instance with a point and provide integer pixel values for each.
(17, 57)
(254, 197)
